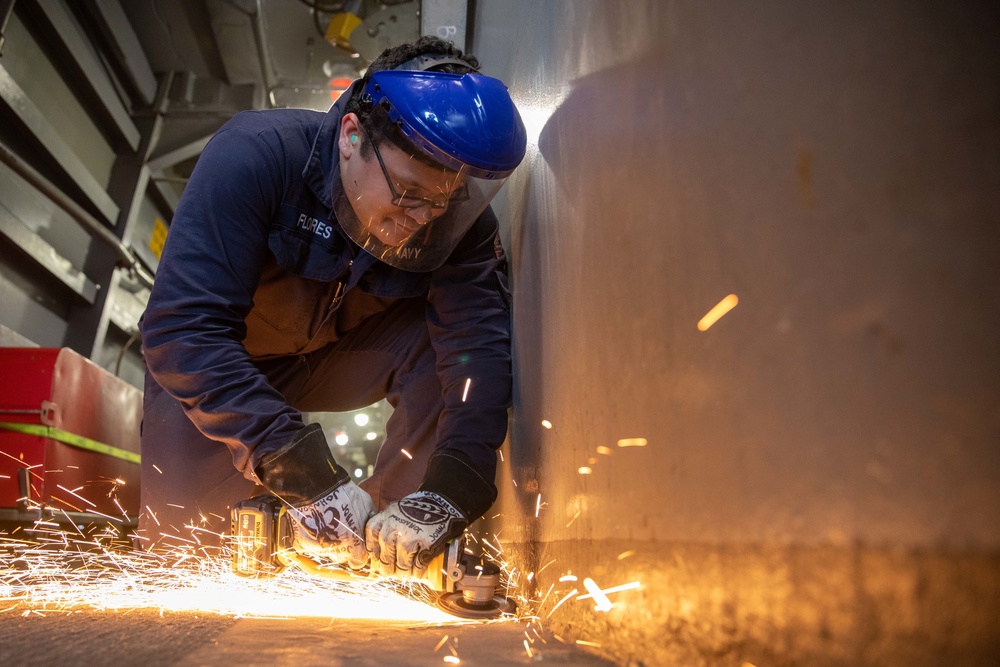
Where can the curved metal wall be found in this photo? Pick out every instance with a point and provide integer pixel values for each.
(820, 480)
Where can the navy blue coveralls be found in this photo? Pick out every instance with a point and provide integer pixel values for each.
(262, 307)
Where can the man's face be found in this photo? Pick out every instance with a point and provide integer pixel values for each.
(393, 194)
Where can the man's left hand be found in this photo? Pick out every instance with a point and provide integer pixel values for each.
(407, 534)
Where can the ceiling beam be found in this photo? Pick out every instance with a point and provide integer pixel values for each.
(83, 70)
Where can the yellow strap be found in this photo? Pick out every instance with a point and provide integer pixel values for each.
(71, 439)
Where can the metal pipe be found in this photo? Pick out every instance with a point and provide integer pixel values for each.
(260, 41)
(6, 9)
(260, 38)
(90, 224)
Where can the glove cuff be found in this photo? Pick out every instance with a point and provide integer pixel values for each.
(451, 474)
(302, 471)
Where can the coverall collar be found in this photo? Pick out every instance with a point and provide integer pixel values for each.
(322, 170)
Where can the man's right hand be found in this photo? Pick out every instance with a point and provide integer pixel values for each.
(328, 510)
(333, 527)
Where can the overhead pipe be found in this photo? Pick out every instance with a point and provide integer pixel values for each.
(90, 224)
(260, 37)
(260, 41)
(6, 9)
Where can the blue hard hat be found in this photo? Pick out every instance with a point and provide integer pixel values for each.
(464, 121)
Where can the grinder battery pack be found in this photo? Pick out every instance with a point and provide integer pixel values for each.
(261, 532)
(262, 547)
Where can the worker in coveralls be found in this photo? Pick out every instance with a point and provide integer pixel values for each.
(323, 262)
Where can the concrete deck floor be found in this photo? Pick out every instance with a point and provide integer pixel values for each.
(147, 638)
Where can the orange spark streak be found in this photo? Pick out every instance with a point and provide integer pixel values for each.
(603, 603)
(614, 589)
(559, 604)
(67, 503)
(546, 596)
(718, 311)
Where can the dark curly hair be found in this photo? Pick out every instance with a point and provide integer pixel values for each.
(376, 126)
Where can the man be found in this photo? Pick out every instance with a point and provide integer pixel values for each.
(322, 262)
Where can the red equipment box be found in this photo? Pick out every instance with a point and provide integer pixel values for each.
(74, 427)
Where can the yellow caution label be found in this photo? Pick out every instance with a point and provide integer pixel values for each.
(158, 238)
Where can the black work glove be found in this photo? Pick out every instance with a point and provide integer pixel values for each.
(327, 509)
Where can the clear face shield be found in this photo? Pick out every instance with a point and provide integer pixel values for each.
(416, 204)
(413, 221)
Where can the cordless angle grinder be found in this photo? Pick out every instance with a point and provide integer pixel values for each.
(262, 547)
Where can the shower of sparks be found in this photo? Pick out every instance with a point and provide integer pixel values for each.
(607, 451)
(633, 442)
(465, 392)
(718, 311)
(497, 548)
(584, 470)
(575, 517)
(546, 423)
(583, 642)
(406, 454)
(625, 554)
(62, 570)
